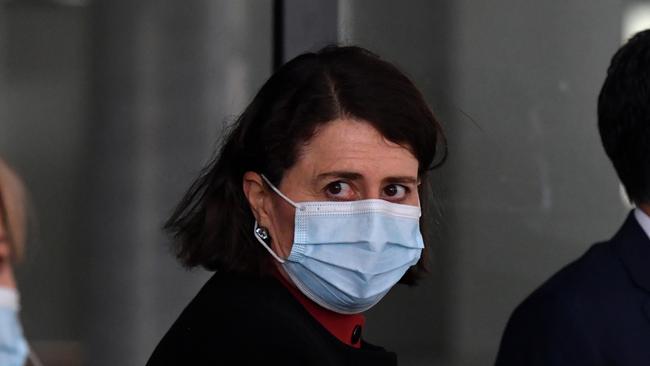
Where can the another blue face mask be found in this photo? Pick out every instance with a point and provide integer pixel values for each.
(347, 255)
(13, 346)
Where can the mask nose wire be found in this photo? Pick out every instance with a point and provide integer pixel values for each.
(276, 190)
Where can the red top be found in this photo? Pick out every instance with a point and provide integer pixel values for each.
(346, 327)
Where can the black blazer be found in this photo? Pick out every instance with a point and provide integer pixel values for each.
(595, 311)
(238, 320)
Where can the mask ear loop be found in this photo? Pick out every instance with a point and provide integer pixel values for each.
(276, 190)
(298, 207)
(257, 236)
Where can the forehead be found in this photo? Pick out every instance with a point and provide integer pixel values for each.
(355, 145)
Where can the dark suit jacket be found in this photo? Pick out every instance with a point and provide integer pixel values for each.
(238, 320)
(595, 311)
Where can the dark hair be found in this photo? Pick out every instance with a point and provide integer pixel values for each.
(624, 116)
(213, 224)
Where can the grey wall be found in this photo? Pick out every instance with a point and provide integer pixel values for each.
(168, 74)
(44, 84)
(307, 25)
(535, 189)
(527, 186)
(111, 109)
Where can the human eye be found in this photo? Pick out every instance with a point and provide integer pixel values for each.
(395, 192)
(339, 190)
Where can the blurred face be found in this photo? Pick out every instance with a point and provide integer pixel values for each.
(346, 160)
(2, 225)
(4, 240)
(6, 273)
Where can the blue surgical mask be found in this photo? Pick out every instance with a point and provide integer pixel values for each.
(347, 255)
(13, 347)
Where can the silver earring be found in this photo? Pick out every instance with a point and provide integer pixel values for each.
(262, 232)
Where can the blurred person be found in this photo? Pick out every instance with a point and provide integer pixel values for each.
(309, 215)
(596, 311)
(13, 347)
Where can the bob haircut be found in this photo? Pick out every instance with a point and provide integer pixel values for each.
(624, 116)
(213, 224)
(12, 210)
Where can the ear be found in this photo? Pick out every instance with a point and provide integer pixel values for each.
(257, 196)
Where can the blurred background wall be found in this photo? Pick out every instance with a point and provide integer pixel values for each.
(109, 109)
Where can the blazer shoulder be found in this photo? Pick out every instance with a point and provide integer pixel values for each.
(587, 276)
(551, 325)
(569, 319)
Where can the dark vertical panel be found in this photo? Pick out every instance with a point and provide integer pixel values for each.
(278, 33)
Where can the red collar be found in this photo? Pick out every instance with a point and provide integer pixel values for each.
(346, 327)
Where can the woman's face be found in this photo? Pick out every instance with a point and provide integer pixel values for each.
(346, 160)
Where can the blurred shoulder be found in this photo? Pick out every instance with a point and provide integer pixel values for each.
(235, 317)
(559, 323)
(241, 301)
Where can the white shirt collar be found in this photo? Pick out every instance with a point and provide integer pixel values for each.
(644, 220)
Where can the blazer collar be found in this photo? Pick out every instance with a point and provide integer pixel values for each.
(632, 245)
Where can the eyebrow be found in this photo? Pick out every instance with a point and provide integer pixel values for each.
(402, 179)
(339, 174)
(357, 176)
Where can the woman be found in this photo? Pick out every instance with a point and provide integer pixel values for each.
(309, 215)
(13, 347)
